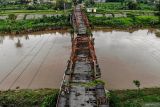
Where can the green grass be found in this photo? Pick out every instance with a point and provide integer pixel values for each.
(133, 98)
(138, 12)
(25, 26)
(119, 6)
(28, 98)
(34, 12)
(41, 6)
(108, 6)
(26, 7)
(134, 21)
(147, 6)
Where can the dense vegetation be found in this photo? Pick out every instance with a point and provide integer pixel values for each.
(130, 14)
(135, 98)
(124, 6)
(24, 5)
(23, 26)
(120, 6)
(28, 98)
(127, 22)
(43, 12)
(48, 97)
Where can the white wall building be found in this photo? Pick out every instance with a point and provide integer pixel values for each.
(99, 1)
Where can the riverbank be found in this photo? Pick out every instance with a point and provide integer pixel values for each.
(147, 97)
(125, 22)
(47, 97)
(29, 98)
(158, 33)
(12, 26)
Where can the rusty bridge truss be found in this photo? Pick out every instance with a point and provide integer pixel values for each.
(82, 68)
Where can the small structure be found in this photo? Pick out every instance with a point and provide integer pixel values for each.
(90, 10)
(99, 1)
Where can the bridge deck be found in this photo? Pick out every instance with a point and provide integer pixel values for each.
(82, 70)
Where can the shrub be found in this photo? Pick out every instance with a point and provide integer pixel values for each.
(12, 17)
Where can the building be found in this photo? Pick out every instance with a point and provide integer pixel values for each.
(90, 10)
(99, 1)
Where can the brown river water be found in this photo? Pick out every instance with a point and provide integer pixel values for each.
(39, 60)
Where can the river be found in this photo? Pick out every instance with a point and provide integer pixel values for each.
(39, 60)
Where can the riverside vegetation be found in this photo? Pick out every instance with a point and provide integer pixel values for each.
(135, 16)
(29, 98)
(58, 20)
(134, 98)
(24, 26)
(48, 97)
(127, 22)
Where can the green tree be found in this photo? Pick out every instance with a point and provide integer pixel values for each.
(137, 84)
(132, 5)
(23, 1)
(12, 17)
(60, 4)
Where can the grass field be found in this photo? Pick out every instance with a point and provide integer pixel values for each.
(117, 7)
(28, 98)
(148, 97)
(4, 12)
(141, 12)
(127, 22)
(120, 6)
(22, 26)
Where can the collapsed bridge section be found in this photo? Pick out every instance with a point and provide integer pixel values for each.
(79, 86)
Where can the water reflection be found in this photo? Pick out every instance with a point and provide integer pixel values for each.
(1, 39)
(41, 61)
(38, 63)
(26, 37)
(18, 44)
(125, 56)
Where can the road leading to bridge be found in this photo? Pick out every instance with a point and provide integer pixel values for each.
(80, 87)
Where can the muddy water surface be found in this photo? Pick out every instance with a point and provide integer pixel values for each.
(124, 57)
(39, 60)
